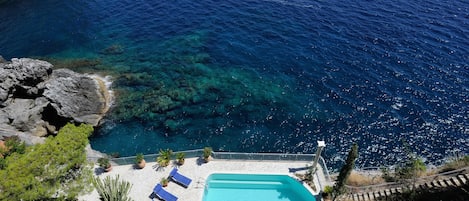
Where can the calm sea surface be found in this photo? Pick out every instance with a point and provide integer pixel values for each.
(263, 76)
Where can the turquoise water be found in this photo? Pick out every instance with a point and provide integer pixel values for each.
(263, 76)
(254, 187)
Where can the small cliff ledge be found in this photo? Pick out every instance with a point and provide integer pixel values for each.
(37, 100)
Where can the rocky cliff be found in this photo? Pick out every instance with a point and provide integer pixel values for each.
(37, 100)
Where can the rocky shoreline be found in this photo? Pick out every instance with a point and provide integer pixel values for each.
(36, 101)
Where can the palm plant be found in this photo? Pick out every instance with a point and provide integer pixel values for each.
(112, 189)
(180, 158)
(164, 157)
(140, 161)
(105, 164)
(206, 153)
(164, 182)
(139, 158)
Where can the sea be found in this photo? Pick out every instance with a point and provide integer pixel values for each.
(263, 75)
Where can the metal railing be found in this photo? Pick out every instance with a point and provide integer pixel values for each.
(273, 157)
(230, 156)
(262, 156)
(391, 185)
(149, 157)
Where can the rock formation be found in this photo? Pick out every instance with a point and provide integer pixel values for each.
(37, 100)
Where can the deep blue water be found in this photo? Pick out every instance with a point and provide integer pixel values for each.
(263, 76)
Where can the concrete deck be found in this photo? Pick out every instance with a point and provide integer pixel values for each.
(143, 180)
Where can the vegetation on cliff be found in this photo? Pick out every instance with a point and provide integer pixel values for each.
(54, 170)
(339, 187)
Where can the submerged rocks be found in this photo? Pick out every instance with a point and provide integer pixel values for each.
(38, 100)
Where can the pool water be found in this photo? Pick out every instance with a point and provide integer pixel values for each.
(255, 187)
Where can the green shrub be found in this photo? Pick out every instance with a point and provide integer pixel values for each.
(112, 189)
(180, 157)
(328, 189)
(164, 157)
(3, 163)
(104, 162)
(164, 181)
(413, 168)
(207, 152)
(14, 144)
(387, 175)
(139, 158)
(54, 169)
(455, 164)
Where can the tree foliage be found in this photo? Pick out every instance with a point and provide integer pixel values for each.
(412, 168)
(345, 171)
(13, 144)
(54, 169)
(112, 189)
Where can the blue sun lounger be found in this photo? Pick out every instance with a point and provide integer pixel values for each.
(163, 194)
(179, 178)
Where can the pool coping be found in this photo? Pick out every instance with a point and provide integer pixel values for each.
(291, 175)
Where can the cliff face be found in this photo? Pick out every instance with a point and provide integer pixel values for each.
(37, 100)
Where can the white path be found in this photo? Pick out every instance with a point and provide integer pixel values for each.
(143, 180)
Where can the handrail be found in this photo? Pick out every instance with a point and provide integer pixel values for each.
(356, 189)
(324, 168)
(230, 156)
(274, 157)
(149, 157)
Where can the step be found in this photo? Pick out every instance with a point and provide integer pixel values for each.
(362, 197)
(455, 181)
(366, 197)
(422, 187)
(448, 182)
(462, 178)
(375, 195)
(435, 184)
(442, 183)
(355, 197)
(429, 185)
(467, 177)
(387, 192)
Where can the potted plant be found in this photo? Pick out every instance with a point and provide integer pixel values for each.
(180, 157)
(164, 181)
(164, 157)
(327, 193)
(140, 160)
(207, 153)
(105, 164)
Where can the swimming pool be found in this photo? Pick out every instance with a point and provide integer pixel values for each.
(254, 187)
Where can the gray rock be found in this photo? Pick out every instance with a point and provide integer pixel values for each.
(22, 76)
(29, 72)
(35, 100)
(4, 118)
(75, 96)
(26, 114)
(6, 82)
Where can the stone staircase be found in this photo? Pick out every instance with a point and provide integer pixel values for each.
(459, 184)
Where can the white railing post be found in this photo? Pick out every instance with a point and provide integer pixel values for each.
(321, 145)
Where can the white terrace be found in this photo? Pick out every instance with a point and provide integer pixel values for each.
(144, 180)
